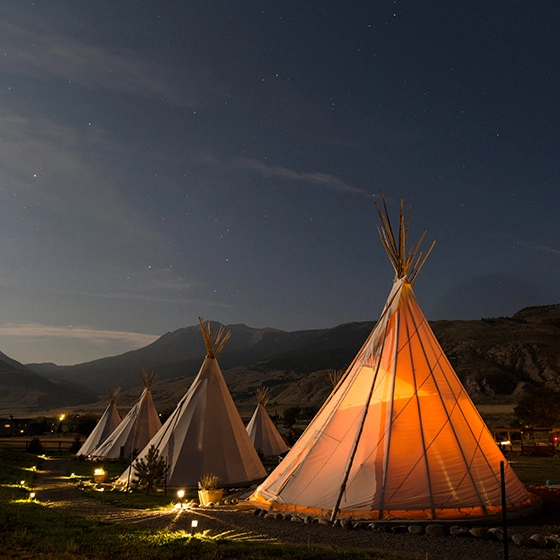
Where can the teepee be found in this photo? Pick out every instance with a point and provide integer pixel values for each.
(137, 428)
(262, 431)
(109, 420)
(399, 437)
(205, 434)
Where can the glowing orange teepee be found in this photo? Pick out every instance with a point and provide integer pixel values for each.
(399, 437)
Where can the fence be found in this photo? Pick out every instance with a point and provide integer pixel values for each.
(49, 443)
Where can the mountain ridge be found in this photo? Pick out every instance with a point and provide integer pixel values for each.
(494, 358)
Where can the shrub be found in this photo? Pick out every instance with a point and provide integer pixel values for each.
(291, 415)
(76, 445)
(35, 446)
(150, 471)
(539, 407)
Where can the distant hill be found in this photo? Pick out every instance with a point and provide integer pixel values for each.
(494, 357)
(180, 353)
(24, 391)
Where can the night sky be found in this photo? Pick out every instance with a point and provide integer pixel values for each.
(164, 160)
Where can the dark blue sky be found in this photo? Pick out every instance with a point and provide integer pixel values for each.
(164, 160)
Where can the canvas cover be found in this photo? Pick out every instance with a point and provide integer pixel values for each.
(264, 435)
(134, 432)
(204, 435)
(109, 420)
(398, 438)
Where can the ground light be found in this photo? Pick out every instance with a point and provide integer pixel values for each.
(180, 495)
(194, 525)
(31, 495)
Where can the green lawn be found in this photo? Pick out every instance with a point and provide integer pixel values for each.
(535, 471)
(30, 530)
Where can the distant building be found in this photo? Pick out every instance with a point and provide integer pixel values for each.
(14, 427)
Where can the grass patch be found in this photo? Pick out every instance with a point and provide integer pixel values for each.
(84, 469)
(31, 530)
(134, 499)
(17, 466)
(535, 471)
(159, 499)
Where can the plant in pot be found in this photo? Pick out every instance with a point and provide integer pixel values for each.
(209, 490)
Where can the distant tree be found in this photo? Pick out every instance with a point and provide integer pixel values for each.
(81, 423)
(166, 413)
(539, 407)
(150, 471)
(309, 412)
(291, 436)
(38, 426)
(291, 416)
(35, 446)
(76, 445)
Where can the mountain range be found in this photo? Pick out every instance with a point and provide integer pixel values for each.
(494, 358)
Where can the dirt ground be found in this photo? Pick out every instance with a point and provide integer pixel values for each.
(55, 490)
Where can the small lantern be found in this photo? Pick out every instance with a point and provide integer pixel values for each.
(180, 495)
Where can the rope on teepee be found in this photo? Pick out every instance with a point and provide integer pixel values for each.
(214, 343)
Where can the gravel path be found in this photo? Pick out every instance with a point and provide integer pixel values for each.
(55, 490)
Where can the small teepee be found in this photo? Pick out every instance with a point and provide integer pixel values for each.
(399, 437)
(137, 428)
(205, 433)
(262, 431)
(107, 423)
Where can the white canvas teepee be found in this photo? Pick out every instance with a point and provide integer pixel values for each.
(109, 420)
(262, 431)
(399, 438)
(137, 428)
(205, 433)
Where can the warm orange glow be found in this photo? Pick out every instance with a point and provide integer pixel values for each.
(416, 444)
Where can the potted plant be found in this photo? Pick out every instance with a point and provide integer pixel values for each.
(209, 490)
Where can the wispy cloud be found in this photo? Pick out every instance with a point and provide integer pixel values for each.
(33, 48)
(316, 179)
(538, 247)
(153, 285)
(163, 279)
(145, 297)
(94, 336)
